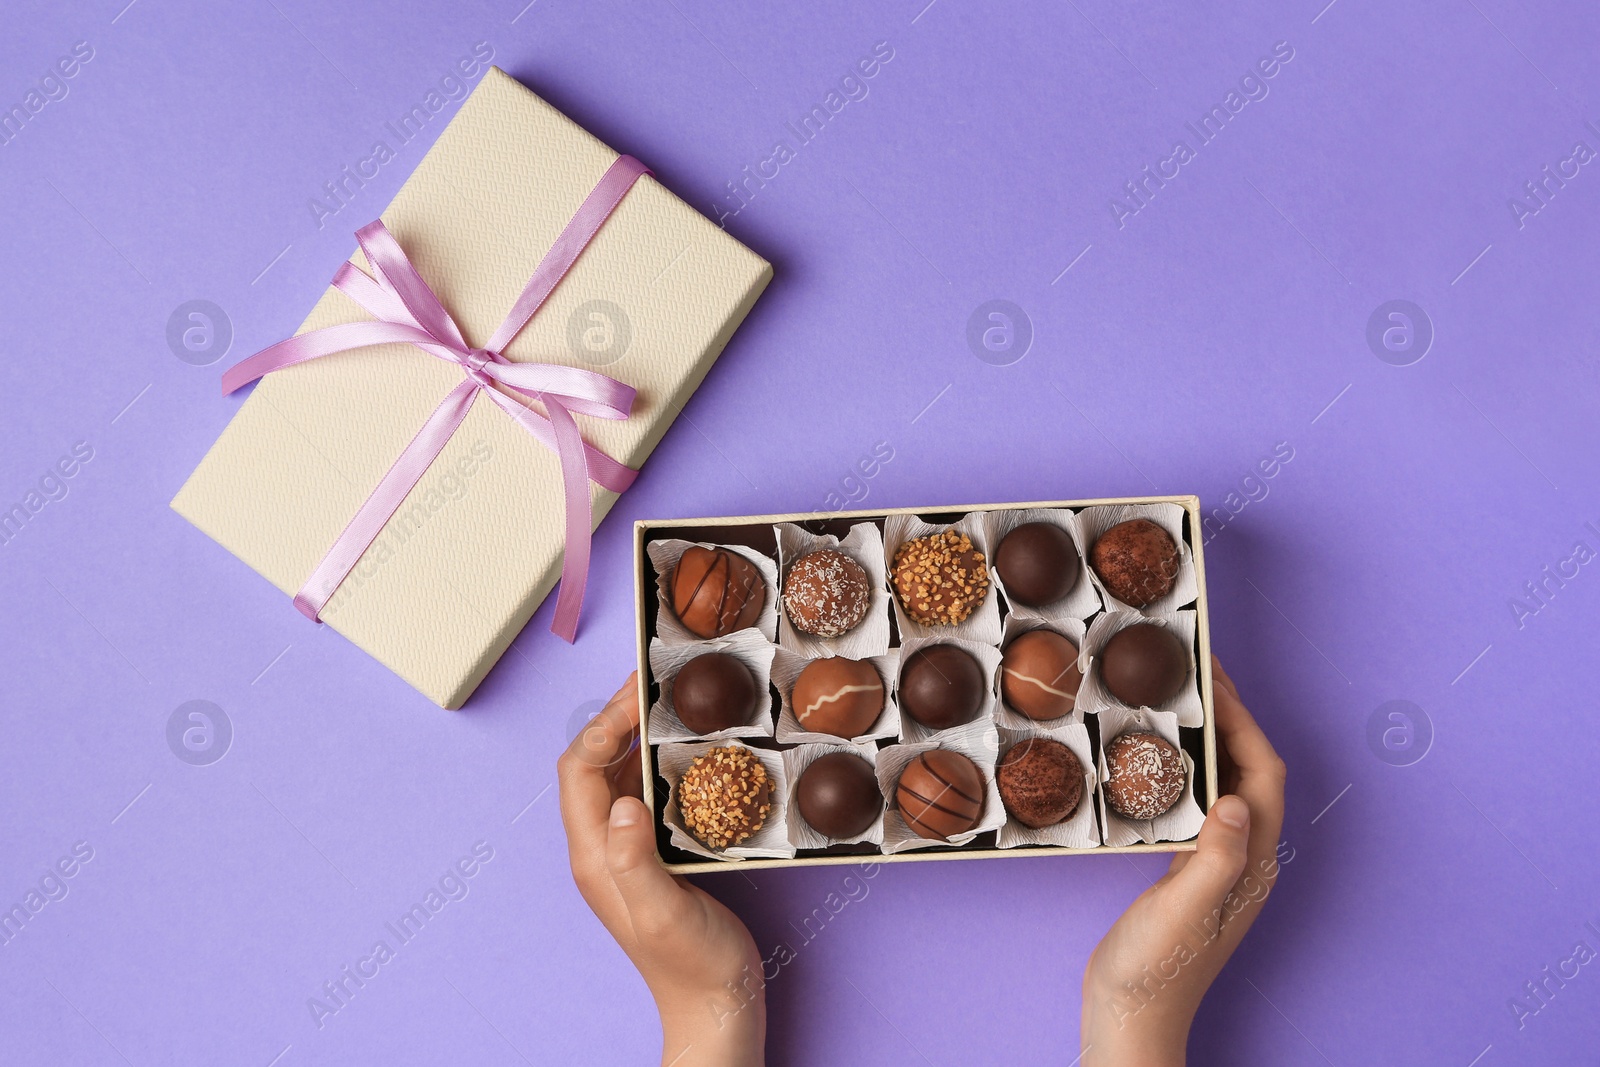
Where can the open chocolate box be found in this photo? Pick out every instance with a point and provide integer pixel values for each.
(890, 638)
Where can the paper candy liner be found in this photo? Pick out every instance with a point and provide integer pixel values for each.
(769, 842)
(983, 625)
(1094, 521)
(786, 668)
(988, 658)
(795, 762)
(1181, 822)
(1015, 626)
(1084, 599)
(664, 557)
(1078, 830)
(864, 544)
(979, 742)
(748, 646)
(1094, 697)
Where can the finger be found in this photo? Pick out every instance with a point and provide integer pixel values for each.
(655, 901)
(627, 777)
(585, 787)
(1221, 677)
(1246, 745)
(1202, 884)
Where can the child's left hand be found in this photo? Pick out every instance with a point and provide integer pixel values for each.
(697, 958)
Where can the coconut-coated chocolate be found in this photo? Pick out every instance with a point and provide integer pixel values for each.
(716, 591)
(1137, 561)
(940, 794)
(941, 686)
(838, 795)
(1040, 781)
(1145, 775)
(1144, 665)
(826, 593)
(1037, 563)
(714, 691)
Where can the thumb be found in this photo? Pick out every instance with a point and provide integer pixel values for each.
(648, 891)
(1205, 881)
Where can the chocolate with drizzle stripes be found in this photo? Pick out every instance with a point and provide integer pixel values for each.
(940, 794)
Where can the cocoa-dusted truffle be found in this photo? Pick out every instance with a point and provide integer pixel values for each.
(1144, 665)
(1038, 564)
(725, 796)
(940, 794)
(837, 696)
(826, 593)
(714, 691)
(942, 686)
(716, 591)
(940, 579)
(838, 795)
(1145, 775)
(1039, 674)
(1137, 560)
(1041, 782)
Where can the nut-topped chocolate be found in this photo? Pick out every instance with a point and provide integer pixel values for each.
(725, 796)
(940, 579)
(826, 593)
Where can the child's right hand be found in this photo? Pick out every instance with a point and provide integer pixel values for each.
(1146, 978)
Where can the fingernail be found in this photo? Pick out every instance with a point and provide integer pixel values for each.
(623, 813)
(1233, 811)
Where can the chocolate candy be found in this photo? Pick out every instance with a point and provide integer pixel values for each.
(716, 591)
(837, 696)
(1040, 781)
(1137, 560)
(940, 794)
(941, 686)
(1039, 674)
(1145, 775)
(940, 579)
(1144, 665)
(714, 691)
(838, 795)
(725, 796)
(826, 593)
(1038, 563)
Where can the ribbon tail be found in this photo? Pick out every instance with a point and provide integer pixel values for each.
(385, 500)
(580, 520)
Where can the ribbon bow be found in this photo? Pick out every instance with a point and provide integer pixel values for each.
(407, 312)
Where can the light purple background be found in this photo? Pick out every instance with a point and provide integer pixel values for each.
(1225, 317)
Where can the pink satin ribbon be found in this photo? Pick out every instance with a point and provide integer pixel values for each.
(408, 312)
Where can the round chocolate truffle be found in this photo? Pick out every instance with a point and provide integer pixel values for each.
(826, 593)
(1041, 781)
(940, 794)
(838, 795)
(837, 696)
(1137, 561)
(1144, 666)
(1145, 775)
(714, 691)
(716, 591)
(940, 579)
(941, 686)
(1039, 675)
(725, 796)
(1038, 563)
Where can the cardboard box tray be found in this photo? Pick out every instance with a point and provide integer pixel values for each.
(756, 532)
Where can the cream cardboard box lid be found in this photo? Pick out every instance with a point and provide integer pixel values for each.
(477, 545)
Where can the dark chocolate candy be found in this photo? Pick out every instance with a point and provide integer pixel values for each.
(1038, 563)
(838, 795)
(714, 691)
(942, 686)
(1144, 665)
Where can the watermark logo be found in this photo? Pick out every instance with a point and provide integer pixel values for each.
(999, 333)
(199, 732)
(1399, 333)
(599, 332)
(599, 746)
(199, 332)
(1399, 733)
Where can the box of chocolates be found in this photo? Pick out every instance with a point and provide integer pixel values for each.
(925, 683)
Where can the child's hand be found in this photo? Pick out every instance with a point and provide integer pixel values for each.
(697, 958)
(1146, 978)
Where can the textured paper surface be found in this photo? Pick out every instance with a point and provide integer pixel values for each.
(478, 543)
